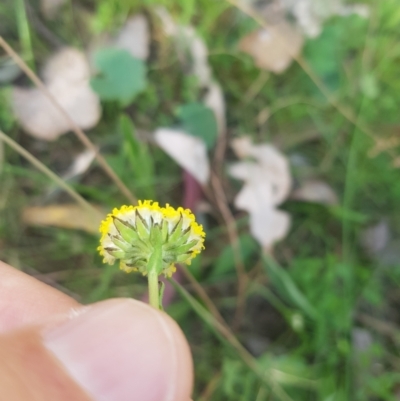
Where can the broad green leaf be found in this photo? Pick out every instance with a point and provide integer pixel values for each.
(199, 120)
(121, 77)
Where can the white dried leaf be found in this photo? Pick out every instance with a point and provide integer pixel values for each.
(193, 51)
(188, 42)
(274, 165)
(168, 24)
(199, 54)
(135, 37)
(188, 151)
(81, 164)
(274, 48)
(214, 99)
(316, 191)
(267, 183)
(66, 77)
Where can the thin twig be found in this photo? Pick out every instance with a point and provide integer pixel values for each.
(45, 170)
(198, 288)
(233, 235)
(230, 223)
(74, 127)
(211, 387)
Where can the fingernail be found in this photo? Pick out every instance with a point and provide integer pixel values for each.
(118, 350)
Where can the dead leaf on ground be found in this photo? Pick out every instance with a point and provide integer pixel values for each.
(316, 191)
(273, 164)
(66, 76)
(267, 183)
(214, 99)
(80, 164)
(193, 52)
(274, 48)
(134, 37)
(188, 43)
(188, 151)
(71, 216)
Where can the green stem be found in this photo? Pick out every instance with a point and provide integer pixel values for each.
(154, 269)
(153, 289)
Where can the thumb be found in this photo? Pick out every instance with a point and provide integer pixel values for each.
(116, 350)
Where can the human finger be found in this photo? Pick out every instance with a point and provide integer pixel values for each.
(116, 350)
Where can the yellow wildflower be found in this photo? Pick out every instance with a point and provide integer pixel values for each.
(131, 234)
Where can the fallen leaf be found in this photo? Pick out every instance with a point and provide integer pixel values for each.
(214, 99)
(81, 164)
(274, 165)
(274, 48)
(120, 77)
(267, 183)
(134, 37)
(188, 151)
(190, 46)
(193, 52)
(316, 191)
(71, 216)
(66, 76)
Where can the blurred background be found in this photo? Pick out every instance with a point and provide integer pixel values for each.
(276, 121)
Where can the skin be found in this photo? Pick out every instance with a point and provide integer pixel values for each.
(34, 320)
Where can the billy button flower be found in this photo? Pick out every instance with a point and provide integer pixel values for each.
(150, 239)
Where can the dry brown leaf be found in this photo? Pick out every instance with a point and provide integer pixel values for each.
(274, 48)
(267, 183)
(71, 216)
(66, 76)
(188, 151)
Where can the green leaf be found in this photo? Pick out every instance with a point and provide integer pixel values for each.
(138, 155)
(121, 77)
(284, 282)
(199, 120)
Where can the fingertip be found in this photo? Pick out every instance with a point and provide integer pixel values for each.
(124, 350)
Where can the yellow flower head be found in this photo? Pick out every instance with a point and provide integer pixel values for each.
(130, 234)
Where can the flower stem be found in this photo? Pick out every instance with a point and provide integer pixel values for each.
(153, 289)
(154, 269)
